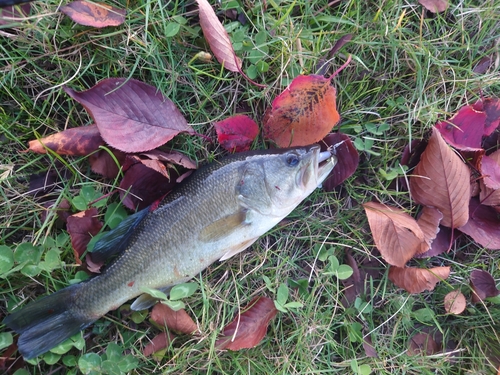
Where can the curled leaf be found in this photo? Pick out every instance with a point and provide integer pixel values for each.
(178, 321)
(441, 180)
(131, 115)
(429, 223)
(217, 37)
(94, 14)
(417, 280)
(395, 233)
(249, 328)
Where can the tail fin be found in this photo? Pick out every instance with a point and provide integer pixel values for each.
(46, 322)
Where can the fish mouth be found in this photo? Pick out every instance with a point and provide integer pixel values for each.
(318, 167)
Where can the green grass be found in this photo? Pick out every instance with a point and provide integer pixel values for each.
(409, 69)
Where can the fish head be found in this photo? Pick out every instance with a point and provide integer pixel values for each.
(276, 182)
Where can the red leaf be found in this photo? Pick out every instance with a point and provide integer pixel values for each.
(442, 180)
(79, 141)
(236, 133)
(483, 286)
(217, 37)
(159, 342)
(178, 321)
(131, 115)
(249, 328)
(347, 159)
(483, 225)
(303, 114)
(397, 235)
(94, 14)
(14, 13)
(490, 170)
(81, 228)
(467, 127)
(417, 280)
(103, 163)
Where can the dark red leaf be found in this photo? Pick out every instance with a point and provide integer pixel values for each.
(236, 133)
(483, 286)
(370, 350)
(103, 163)
(131, 115)
(13, 14)
(490, 170)
(483, 65)
(76, 141)
(159, 342)
(347, 159)
(94, 14)
(467, 127)
(423, 344)
(441, 243)
(172, 157)
(81, 228)
(483, 225)
(178, 321)
(249, 328)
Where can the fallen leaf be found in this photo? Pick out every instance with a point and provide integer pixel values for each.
(94, 14)
(370, 350)
(466, 128)
(395, 233)
(79, 141)
(441, 244)
(429, 223)
(454, 302)
(107, 164)
(302, 114)
(217, 37)
(354, 285)
(483, 286)
(248, 328)
(489, 167)
(178, 321)
(441, 180)
(81, 227)
(236, 133)
(173, 157)
(483, 225)
(347, 159)
(483, 65)
(423, 344)
(14, 13)
(131, 115)
(417, 280)
(159, 342)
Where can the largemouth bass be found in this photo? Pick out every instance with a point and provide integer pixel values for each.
(219, 211)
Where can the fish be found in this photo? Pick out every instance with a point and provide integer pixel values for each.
(217, 212)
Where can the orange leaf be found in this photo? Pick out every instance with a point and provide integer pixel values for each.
(302, 114)
(454, 302)
(178, 321)
(79, 141)
(429, 223)
(396, 234)
(441, 180)
(94, 14)
(217, 37)
(416, 280)
(249, 328)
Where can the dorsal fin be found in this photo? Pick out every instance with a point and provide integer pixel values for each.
(115, 241)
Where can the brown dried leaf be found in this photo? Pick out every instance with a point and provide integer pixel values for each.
(131, 115)
(159, 342)
(423, 344)
(217, 37)
(397, 235)
(442, 243)
(454, 302)
(483, 225)
(178, 321)
(435, 6)
(81, 227)
(249, 328)
(417, 280)
(94, 14)
(441, 180)
(429, 223)
(483, 286)
(79, 141)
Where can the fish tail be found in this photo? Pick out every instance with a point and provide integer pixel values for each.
(47, 322)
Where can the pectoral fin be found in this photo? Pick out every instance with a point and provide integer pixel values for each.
(145, 301)
(238, 249)
(222, 228)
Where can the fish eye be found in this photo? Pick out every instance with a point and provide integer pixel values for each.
(292, 160)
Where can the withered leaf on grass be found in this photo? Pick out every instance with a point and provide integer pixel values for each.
(79, 141)
(347, 159)
(94, 14)
(304, 113)
(424, 344)
(442, 243)
(454, 302)
(249, 328)
(131, 115)
(81, 227)
(441, 180)
(483, 225)
(429, 223)
(435, 6)
(159, 342)
(466, 128)
(14, 13)
(417, 280)
(217, 37)
(483, 286)
(236, 133)
(178, 321)
(397, 235)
